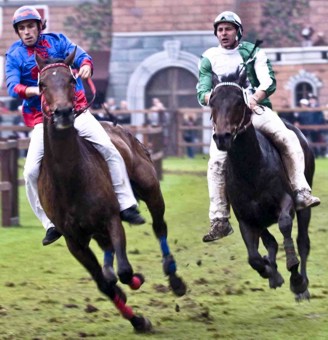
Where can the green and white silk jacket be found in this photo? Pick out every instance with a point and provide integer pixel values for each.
(222, 61)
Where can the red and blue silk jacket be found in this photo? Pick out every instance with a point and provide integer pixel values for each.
(22, 71)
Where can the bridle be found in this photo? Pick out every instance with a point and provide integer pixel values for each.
(45, 107)
(242, 126)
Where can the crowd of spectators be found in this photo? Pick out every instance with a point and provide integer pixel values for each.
(309, 114)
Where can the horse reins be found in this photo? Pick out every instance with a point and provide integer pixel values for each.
(45, 106)
(240, 127)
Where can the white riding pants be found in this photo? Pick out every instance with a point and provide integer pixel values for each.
(90, 129)
(289, 148)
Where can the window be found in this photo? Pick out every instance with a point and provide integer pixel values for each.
(302, 90)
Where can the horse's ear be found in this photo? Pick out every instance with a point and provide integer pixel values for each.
(40, 62)
(242, 77)
(215, 79)
(70, 58)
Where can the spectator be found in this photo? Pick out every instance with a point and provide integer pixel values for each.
(189, 135)
(307, 33)
(3, 108)
(111, 104)
(158, 109)
(317, 118)
(320, 40)
(286, 115)
(123, 117)
(109, 107)
(312, 117)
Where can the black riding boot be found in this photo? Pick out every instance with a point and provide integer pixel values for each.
(52, 235)
(132, 216)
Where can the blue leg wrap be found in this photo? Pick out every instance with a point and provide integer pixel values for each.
(164, 246)
(172, 267)
(169, 264)
(108, 258)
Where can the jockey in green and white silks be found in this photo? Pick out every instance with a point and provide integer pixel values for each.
(225, 59)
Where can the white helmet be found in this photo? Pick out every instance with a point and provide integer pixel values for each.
(231, 17)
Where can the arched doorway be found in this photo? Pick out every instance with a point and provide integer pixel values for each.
(175, 87)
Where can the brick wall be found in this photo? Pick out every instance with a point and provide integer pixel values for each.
(167, 15)
(184, 15)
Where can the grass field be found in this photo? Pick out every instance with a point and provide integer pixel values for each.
(46, 294)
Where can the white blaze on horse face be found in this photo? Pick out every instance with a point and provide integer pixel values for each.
(54, 73)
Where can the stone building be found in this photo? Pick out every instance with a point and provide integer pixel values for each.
(156, 46)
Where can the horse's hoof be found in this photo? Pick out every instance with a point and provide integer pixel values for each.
(137, 281)
(178, 286)
(298, 284)
(303, 296)
(276, 280)
(141, 324)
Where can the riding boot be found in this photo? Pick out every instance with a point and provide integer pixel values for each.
(132, 216)
(220, 227)
(52, 235)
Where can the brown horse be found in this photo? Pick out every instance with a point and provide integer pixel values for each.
(77, 195)
(257, 185)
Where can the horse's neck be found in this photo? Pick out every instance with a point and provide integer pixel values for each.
(246, 153)
(62, 149)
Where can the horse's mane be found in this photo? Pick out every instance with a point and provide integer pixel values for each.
(238, 77)
(49, 61)
(231, 77)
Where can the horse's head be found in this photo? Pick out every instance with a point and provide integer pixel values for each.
(57, 88)
(230, 114)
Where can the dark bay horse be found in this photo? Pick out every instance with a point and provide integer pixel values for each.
(257, 185)
(77, 195)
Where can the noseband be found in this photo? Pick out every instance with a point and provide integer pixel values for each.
(242, 126)
(45, 107)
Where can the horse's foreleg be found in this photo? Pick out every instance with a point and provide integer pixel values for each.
(105, 244)
(303, 240)
(157, 208)
(303, 246)
(124, 271)
(151, 194)
(88, 259)
(298, 284)
(270, 243)
(251, 238)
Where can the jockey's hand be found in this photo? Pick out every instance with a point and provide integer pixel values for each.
(32, 91)
(252, 103)
(85, 72)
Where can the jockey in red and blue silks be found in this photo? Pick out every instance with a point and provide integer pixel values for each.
(22, 82)
(22, 71)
